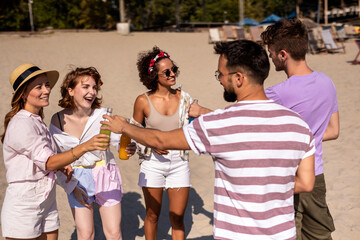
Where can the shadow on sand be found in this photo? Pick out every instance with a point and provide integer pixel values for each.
(133, 215)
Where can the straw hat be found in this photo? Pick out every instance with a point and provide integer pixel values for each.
(26, 72)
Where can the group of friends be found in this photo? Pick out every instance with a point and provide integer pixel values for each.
(266, 147)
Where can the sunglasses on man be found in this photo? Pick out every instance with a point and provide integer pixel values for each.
(167, 72)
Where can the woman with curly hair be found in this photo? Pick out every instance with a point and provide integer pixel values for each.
(96, 175)
(163, 108)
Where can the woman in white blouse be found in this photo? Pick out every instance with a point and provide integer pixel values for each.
(96, 173)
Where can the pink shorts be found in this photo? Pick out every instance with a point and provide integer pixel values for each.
(102, 184)
(24, 215)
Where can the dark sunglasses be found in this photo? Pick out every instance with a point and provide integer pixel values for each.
(167, 72)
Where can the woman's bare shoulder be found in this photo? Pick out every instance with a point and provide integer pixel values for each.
(141, 99)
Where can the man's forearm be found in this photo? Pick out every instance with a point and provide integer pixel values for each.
(333, 128)
(153, 138)
(147, 137)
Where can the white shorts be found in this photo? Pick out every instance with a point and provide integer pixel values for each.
(164, 171)
(23, 215)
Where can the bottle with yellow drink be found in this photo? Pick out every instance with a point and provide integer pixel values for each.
(106, 132)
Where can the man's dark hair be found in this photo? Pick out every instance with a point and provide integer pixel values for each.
(247, 56)
(289, 35)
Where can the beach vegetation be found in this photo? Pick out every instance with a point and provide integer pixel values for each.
(142, 14)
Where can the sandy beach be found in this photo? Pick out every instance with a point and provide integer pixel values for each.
(115, 57)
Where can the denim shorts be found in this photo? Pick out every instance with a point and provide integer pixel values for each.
(164, 171)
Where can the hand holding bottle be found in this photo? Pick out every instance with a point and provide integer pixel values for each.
(193, 110)
(103, 131)
(97, 142)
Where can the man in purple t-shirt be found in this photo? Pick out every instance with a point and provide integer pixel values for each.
(312, 95)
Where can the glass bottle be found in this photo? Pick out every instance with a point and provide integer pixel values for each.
(124, 142)
(106, 132)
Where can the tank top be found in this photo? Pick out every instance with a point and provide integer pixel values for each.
(159, 121)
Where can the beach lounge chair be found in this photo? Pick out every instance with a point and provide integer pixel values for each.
(357, 42)
(340, 33)
(240, 33)
(255, 34)
(329, 42)
(214, 35)
(314, 46)
(229, 33)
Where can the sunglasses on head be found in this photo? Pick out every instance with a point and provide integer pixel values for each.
(167, 72)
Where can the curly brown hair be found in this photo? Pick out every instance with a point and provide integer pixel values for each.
(149, 80)
(71, 80)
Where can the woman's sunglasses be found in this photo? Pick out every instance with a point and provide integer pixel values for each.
(167, 72)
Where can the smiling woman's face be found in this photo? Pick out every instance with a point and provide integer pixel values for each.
(84, 93)
(37, 94)
(163, 66)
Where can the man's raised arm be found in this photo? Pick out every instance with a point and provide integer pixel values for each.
(153, 138)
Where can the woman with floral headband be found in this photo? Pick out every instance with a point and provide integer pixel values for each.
(163, 108)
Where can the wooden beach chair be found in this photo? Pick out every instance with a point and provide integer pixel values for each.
(330, 43)
(314, 43)
(341, 34)
(240, 33)
(229, 33)
(357, 42)
(255, 34)
(214, 35)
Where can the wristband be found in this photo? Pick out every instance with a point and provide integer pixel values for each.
(74, 157)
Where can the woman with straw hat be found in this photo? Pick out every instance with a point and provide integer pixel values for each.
(29, 209)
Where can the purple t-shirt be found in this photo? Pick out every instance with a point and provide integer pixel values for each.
(313, 96)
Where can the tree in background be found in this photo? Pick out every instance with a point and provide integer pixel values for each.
(143, 14)
(58, 14)
(14, 15)
(150, 13)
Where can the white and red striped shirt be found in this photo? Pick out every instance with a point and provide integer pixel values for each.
(256, 147)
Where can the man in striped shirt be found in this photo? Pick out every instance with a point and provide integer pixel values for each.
(263, 152)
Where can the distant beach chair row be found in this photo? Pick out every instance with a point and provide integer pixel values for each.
(231, 33)
(330, 38)
(322, 39)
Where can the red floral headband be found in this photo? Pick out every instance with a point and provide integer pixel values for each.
(153, 61)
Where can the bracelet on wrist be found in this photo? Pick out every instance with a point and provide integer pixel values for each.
(74, 156)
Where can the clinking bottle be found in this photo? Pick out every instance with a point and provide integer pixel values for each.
(191, 118)
(107, 132)
(124, 142)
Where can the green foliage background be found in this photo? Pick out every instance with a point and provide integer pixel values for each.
(143, 14)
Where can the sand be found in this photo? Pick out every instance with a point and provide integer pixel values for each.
(115, 57)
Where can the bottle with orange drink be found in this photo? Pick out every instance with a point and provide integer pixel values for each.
(124, 143)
